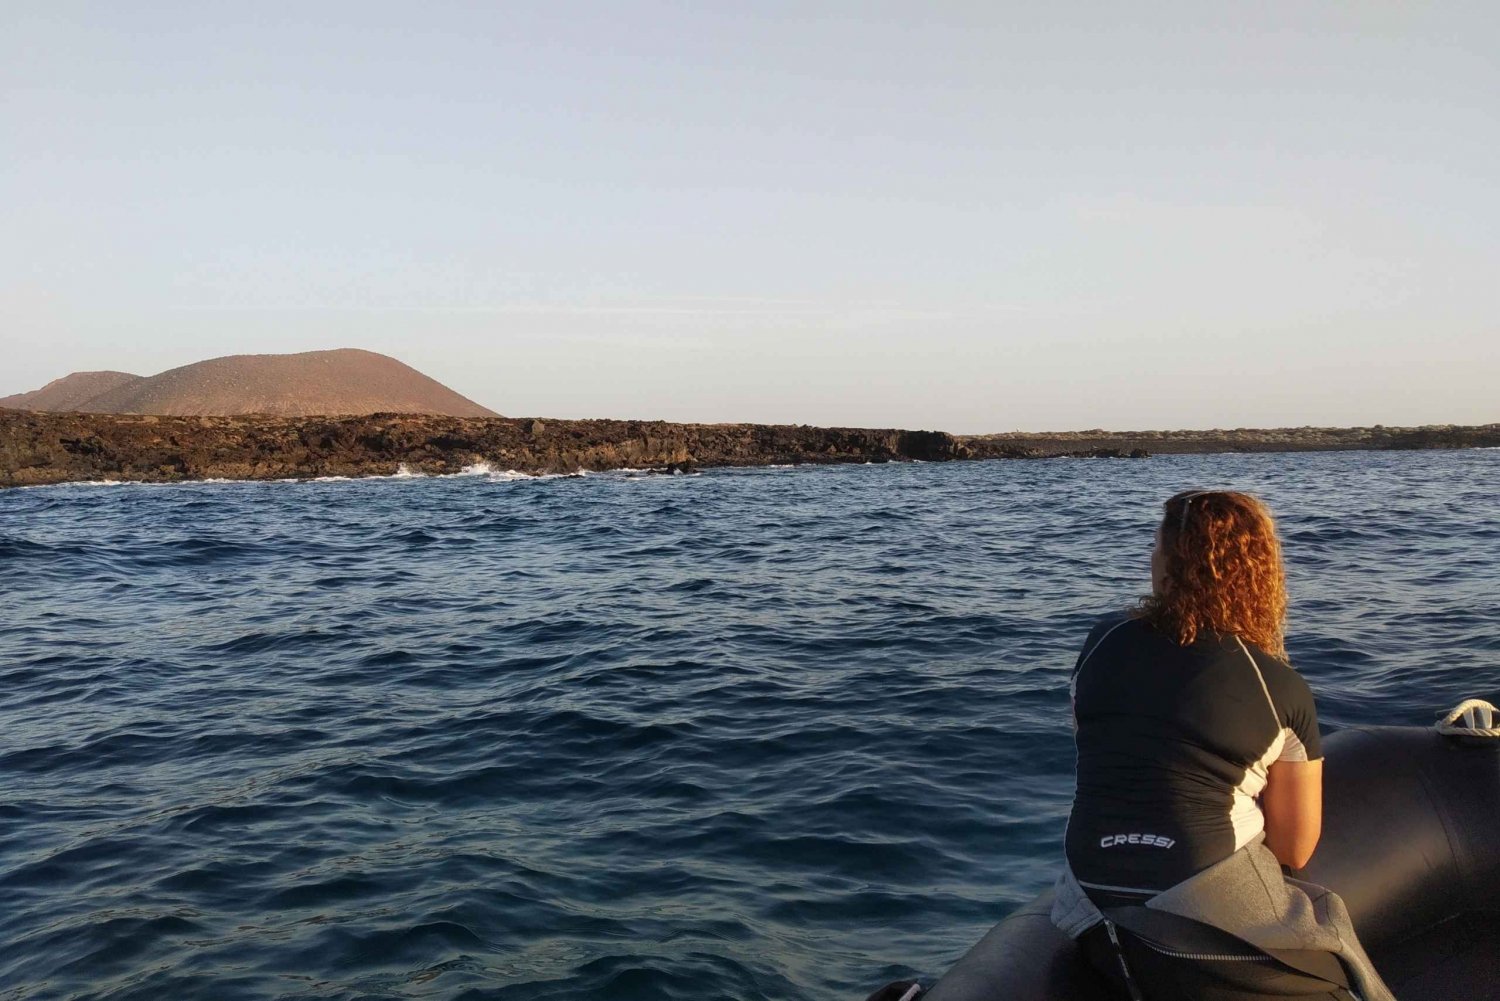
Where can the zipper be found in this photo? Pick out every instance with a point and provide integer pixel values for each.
(1218, 957)
(1130, 985)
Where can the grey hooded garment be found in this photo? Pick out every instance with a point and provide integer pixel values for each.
(1247, 896)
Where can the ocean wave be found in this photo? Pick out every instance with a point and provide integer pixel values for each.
(755, 734)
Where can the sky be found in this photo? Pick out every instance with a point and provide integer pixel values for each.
(969, 216)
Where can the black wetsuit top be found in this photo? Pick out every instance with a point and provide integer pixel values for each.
(1173, 747)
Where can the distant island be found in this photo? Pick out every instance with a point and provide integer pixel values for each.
(345, 381)
(357, 413)
(1029, 444)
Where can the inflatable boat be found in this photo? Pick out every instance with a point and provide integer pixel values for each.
(1411, 841)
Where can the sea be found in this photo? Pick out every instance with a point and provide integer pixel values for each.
(777, 733)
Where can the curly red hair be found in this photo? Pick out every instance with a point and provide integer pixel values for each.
(1221, 571)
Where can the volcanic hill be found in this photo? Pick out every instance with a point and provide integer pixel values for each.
(71, 392)
(345, 381)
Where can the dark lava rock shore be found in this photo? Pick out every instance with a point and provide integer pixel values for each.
(1025, 444)
(40, 448)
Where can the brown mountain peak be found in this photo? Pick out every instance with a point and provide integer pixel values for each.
(70, 392)
(342, 381)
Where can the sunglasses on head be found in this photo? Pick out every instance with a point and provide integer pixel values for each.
(1187, 504)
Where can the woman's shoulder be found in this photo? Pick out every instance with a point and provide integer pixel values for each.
(1272, 666)
(1122, 622)
(1118, 617)
(1106, 624)
(1294, 702)
(1289, 690)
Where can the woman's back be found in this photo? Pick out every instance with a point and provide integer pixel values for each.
(1194, 738)
(1174, 743)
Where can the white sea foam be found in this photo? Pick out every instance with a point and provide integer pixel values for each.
(403, 472)
(631, 473)
(514, 474)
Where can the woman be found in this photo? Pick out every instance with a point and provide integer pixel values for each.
(1199, 771)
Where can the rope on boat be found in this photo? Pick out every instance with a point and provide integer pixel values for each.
(1479, 718)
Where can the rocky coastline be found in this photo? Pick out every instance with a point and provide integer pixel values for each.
(39, 448)
(1026, 444)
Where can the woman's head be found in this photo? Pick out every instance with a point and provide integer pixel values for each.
(1217, 569)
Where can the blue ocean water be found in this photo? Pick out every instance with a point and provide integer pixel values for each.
(750, 734)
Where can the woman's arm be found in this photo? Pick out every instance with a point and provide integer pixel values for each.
(1293, 805)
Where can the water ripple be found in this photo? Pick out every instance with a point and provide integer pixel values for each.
(756, 734)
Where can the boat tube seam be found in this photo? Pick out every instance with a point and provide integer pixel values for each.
(1463, 861)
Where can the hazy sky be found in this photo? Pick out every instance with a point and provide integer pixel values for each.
(976, 217)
